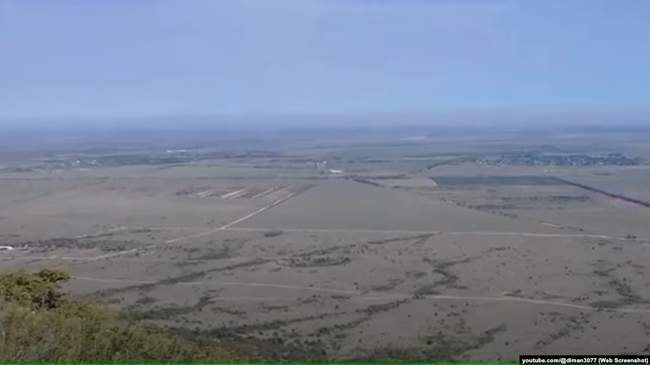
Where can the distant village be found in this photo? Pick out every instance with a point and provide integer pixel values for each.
(534, 159)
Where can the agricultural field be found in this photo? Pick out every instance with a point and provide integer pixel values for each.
(357, 247)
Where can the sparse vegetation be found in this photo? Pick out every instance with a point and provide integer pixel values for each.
(223, 248)
(273, 233)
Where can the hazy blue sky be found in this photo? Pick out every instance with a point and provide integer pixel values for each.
(153, 57)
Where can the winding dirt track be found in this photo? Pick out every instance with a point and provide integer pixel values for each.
(474, 233)
(360, 296)
(229, 227)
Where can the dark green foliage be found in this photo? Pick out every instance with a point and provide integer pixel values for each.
(38, 291)
(38, 323)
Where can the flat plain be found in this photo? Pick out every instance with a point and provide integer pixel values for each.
(359, 246)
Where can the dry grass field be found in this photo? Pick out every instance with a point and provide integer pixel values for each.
(394, 249)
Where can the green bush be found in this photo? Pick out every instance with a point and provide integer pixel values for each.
(39, 323)
(38, 290)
